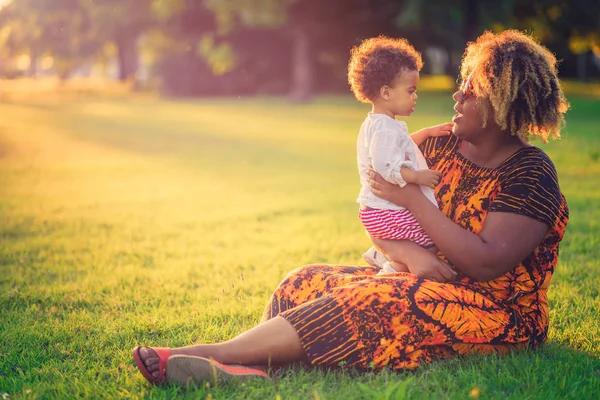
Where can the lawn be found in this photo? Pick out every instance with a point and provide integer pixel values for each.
(135, 220)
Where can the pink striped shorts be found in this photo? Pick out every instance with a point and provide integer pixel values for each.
(393, 224)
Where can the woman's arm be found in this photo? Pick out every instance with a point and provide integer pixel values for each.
(505, 240)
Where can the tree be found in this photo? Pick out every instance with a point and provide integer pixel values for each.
(451, 24)
(60, 28)
(316, 30)
(567, 27)
(122, 22)
(184, 44)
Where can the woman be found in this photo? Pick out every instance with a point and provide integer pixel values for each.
(499, 225)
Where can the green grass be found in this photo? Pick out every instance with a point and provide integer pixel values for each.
(140, 221)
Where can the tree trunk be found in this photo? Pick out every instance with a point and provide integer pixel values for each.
(127, 55)
(33, 60)
(471, 22)
(582, 66)
(302, 67)
(452, 66)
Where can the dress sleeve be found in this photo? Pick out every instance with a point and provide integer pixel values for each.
(531, 189)
(435, 149)
(391, 150)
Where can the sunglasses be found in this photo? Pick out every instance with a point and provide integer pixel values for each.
(465, 90)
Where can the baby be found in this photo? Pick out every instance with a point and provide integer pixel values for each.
(385, 72)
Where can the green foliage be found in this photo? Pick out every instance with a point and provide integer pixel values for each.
(319, 33)
(126, 222)
(258, 13)
(57, 27)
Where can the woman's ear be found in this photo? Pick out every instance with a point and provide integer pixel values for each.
(384, 92)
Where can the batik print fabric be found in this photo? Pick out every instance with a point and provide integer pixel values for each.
(349, 316)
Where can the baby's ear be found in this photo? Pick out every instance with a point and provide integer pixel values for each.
(384, 92)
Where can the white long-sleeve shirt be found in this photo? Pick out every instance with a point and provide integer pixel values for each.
(385, 145)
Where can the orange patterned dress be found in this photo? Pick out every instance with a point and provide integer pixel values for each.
(349, 316)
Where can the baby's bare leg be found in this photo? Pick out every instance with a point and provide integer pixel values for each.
(433, 249)
(399, 267)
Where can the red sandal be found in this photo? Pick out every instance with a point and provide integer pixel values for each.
(163, 354)
(198, 370)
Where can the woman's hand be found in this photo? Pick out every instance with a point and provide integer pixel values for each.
(393, 193)
(419, 261)
(427, 265)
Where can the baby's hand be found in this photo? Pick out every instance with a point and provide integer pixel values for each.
(440, 130)
(428, 177)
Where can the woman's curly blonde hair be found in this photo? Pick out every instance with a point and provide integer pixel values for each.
(516, 77)
(377, 62)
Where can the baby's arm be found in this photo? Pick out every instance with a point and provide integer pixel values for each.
(424, 177)
(433, 131)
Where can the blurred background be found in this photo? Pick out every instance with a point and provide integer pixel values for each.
(297, 48)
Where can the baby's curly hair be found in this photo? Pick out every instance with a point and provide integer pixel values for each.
(377, 62)
(516, 78)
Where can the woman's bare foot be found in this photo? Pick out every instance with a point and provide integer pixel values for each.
(273, 342)
(150, 360)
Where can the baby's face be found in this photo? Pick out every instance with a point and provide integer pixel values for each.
(403, 94)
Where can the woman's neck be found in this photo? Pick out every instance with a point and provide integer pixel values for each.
(493, 150)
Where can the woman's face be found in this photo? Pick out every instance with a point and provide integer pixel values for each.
(467, 121)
